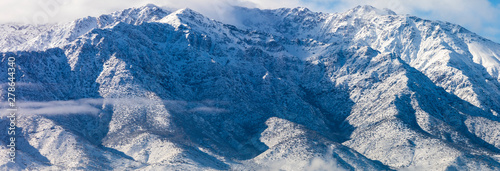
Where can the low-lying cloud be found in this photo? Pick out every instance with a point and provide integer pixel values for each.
(314, 164)
(82, 106)
(95, 106)
(207, 109)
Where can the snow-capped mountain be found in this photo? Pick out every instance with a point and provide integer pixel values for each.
(292, 89)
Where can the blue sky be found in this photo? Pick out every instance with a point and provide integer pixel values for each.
(479, 16)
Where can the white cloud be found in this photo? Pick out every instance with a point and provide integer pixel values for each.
(479, 16)
(321, 164)
(94, 106)
(205, 109)
(83, 106)
(61, 110)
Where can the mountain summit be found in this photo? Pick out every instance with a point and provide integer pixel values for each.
(292, 89)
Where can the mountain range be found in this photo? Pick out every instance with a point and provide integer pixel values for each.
(268, 89)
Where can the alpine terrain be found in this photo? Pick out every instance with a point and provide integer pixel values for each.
(291, 89)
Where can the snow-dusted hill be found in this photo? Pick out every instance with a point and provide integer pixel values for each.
(151, 89)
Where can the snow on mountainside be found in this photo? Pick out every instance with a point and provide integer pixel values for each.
(292, 89)
(36, 38)
(451, 56)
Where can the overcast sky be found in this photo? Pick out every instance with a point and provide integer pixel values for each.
(480, 16)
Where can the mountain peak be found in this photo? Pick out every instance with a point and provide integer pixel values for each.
(368, 9)
(301, 9)
(187, 11)
(151, 6)
(190, 18)
(138, 15)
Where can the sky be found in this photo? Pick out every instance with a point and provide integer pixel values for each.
(479, 16)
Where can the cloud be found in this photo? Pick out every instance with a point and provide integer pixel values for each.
(321, 164)
(83, 106)
(94, 106)
(313, 164)
(417, 168)
(206, 109)
(60, 110)
(479, 16)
